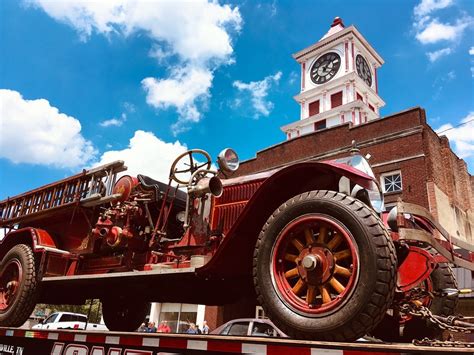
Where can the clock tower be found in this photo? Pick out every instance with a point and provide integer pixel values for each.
(338, 81)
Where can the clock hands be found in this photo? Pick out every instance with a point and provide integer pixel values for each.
(325, 67)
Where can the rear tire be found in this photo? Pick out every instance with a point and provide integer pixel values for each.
(18, 286)
(391, 329)
(124, 315)
(442, 277)
(367, 289)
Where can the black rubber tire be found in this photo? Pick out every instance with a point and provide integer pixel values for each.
(374, 290)
(124, 315)
(442, 277)
(390, 328)
(26, 295)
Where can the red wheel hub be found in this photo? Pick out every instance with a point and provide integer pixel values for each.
(9, 283)
(315, 264)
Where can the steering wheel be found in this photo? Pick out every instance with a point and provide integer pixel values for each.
(189, 159)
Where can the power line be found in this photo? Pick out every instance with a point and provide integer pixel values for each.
(461, 124)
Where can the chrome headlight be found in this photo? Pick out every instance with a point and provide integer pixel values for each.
(374, 193)
(228, 160)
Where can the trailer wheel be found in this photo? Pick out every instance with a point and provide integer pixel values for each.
(18, 286)
(124, 315)
(324, 267)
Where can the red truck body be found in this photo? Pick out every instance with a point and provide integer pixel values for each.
(133, 240)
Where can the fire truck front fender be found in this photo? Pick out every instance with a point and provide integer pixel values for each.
(38, 239)
(234, 255)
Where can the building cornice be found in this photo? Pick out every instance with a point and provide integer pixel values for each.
(352, 76)
(332, 153)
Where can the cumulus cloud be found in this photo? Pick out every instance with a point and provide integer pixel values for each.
(434, 56)
(35, 132)
(196, 33)
(435, 31)
(258, 91)
(182, 91)
(425, 7)
(146, 154)
(461, 136)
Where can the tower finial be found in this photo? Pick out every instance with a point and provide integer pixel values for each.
(337, 21)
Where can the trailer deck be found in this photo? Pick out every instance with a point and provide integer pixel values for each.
(75, 342)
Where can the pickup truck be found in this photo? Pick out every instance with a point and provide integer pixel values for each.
(67, 320)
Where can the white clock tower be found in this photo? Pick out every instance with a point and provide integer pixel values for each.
(338, 81)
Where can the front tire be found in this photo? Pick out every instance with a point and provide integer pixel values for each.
(124, 315)
(324, 267)
(18, 286)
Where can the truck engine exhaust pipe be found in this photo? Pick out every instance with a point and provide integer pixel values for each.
(211, 185)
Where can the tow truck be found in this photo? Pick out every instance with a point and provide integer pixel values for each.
(309, 242)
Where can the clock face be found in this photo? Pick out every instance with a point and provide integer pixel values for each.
(363, 70)
(325, 68)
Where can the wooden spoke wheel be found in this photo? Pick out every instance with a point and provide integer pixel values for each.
(315, 264)
(9, 283)
(324, 267)
(17, 286)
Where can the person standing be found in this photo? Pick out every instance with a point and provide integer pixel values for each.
(164, 327)
(151, 327)
(192, 329)
(205, 328)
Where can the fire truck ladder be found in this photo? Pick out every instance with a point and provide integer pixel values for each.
(89, 188)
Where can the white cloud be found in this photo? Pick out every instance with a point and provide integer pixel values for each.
(258, 91)
(425, 7)
(434, 56)
(461, 136)
(35, 132)
(146, 154)
(182, 91)
(117, 122)
(197, 33)
(436, 31)
(471, 52)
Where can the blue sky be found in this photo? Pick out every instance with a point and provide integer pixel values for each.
(84, 82)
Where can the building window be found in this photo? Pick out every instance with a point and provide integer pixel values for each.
(359, 97)
(371, 107)
(314, 108)
(336, 99)
(391, 182)
(319, 125)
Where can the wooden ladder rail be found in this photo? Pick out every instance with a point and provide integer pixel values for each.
(89, 188)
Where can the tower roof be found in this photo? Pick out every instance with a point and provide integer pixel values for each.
(336, 33)
(336, 26)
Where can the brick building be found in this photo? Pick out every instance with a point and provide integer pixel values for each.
(410, 160)
(340, 103)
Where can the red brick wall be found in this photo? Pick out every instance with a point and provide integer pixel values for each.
(415, 138)
(448, 171)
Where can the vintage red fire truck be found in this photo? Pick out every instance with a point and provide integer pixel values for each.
(307, 241)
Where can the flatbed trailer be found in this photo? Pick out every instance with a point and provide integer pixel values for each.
(14, 341)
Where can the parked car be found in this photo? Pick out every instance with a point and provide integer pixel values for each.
(67, 320)
(250, 327)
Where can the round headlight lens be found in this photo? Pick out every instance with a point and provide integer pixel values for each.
(228, 160)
